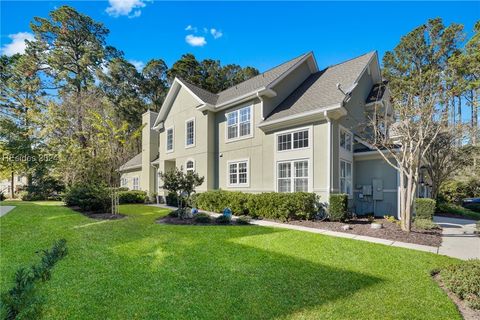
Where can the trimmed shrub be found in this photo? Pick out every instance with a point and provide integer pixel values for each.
(171, 199)
(424, 224)
(338, 207)
(223, 219)
(470, 206)
(89, 198)
(243, 220)
(202, 218)
(463, 279)
(132, 196)
(425, 208)
(2, 196)
(272, 205)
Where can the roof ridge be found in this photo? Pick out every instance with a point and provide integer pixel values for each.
(263, 73)
(194, 85)
(354, 58)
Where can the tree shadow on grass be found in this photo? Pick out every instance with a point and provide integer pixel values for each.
(207, 276)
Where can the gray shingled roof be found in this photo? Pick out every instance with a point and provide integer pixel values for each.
(203, 94)
(247, 86)
(319, 89)
(132, 163)
(257, 82)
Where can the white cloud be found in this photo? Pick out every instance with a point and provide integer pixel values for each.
(18, 44)
(119, 8)
(216, 33)
(138, 64)
(195, 41)
(190, 28)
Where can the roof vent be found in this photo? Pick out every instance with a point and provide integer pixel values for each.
(339, 87)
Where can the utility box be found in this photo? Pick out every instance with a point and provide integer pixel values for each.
(367, 190)
(377, 193)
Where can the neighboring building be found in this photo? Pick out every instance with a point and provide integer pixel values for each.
(292, 128)
(19, 181)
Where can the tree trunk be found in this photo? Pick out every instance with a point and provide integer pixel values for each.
(12, 185)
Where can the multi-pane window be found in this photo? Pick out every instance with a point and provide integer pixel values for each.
(292, 140)
(190, 133)
(346, 177)
(190, 166)
(238, 173)
(346, 140)
(292, 176)
(239, 123)
(170, 139)
(123, 182)
(136, 183)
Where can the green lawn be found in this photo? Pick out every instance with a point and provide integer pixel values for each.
(136, 269)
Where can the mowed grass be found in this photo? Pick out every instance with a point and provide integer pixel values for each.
(136, 269)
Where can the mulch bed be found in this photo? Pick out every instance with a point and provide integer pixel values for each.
(178, 221)
(99, 216)
(467, 312)
(390, 231)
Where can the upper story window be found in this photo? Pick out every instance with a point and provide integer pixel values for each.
(238, 173)
(190, 166)
(136, 183)
(346, 139)
(190, 133)
(293, 140)
(123, 182)
(169, 143)
(239, 123)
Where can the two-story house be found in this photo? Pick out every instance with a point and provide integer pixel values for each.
(295, 127)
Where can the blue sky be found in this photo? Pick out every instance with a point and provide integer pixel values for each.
(247, 33)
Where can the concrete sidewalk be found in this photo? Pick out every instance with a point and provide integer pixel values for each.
(458, 238)
(5, 209)
(265, 223)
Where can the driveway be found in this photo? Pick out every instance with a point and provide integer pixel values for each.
(458, 238)
(5, 209)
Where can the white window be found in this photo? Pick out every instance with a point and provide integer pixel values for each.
(292, 140)
(123, 182)
(238, 173)
(190, 133)
(346, 139)
(190, 166)
(239, 123)
(19, 178)
(136, 183)
(346, 177)
(169, 139)
(292, 176)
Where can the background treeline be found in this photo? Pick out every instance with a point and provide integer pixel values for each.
(71, 105)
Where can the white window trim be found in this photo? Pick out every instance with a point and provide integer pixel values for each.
(350, 195)
(166, 139)
(291, 132)
(238, 185)
(227, 140)
(133, 183)
(292, 161)
(194, 133)
(194, 167)
(340, 129)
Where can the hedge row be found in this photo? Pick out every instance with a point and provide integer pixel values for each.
(132, 196)
(272, 205)
(338, 207)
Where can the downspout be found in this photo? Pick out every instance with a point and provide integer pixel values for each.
(329, 155)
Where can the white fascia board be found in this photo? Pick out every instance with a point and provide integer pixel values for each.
(248, 96)
(316, 114)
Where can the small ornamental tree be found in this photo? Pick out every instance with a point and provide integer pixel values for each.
(182, 185)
